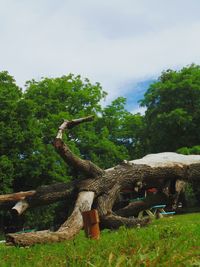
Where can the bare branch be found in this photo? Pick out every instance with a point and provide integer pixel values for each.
(70, 124)
(85, 166)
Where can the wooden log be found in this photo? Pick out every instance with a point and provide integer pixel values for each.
(67, 230)
(43, 195)
(20, 207)
(16, 196)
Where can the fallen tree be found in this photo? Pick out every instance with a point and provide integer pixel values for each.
(100, 189)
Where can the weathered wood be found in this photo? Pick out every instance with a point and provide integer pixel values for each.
(161, 170)
(20, 207)
(85, 166)
(67, 230)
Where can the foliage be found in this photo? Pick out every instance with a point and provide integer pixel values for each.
(29, 123)
(10, 134)
(173, 115)
(195, 150)
(173, 110)
(45, 217)
(123, 128)
(30, 120)
(166, 242)
(106, 148)
(6, 174)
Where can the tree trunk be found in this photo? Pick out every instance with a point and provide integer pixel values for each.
(101, 189)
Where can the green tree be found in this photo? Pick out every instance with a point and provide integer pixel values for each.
(49, 102)
(133, 135)
(10, 134)
(6, 175)
(29, 123)
(71, 97)
(173, 110)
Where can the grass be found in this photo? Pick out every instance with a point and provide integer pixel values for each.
(166, 242)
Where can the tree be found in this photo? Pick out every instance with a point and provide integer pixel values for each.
(123, 129)
(10, 133)
(28, 126)
(173, 115)
(101, 188)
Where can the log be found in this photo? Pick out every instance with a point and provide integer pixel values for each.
(20, 207)
(107, 187)
(67, 230)
(154, 170)
(16, 196)
(101, 188)
(51, 193)
(43, 195)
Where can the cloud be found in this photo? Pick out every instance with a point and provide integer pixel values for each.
(140, 110)
(113, 42)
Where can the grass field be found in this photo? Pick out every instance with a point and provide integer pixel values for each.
(166, 242)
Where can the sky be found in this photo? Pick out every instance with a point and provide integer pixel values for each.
(121, 44)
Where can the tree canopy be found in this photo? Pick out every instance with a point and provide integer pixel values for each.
(29, 122)
(173, 110)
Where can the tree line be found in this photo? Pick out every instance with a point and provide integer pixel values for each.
(30, 118)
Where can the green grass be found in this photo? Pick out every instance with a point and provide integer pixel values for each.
(166, 242)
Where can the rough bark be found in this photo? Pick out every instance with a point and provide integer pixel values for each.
(102, 188)
(51, 193)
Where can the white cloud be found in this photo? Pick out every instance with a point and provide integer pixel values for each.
(112, 42)
(140, 110)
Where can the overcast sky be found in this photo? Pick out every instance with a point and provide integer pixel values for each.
(116, 43)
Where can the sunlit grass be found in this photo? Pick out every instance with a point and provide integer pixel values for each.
(166, 242)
